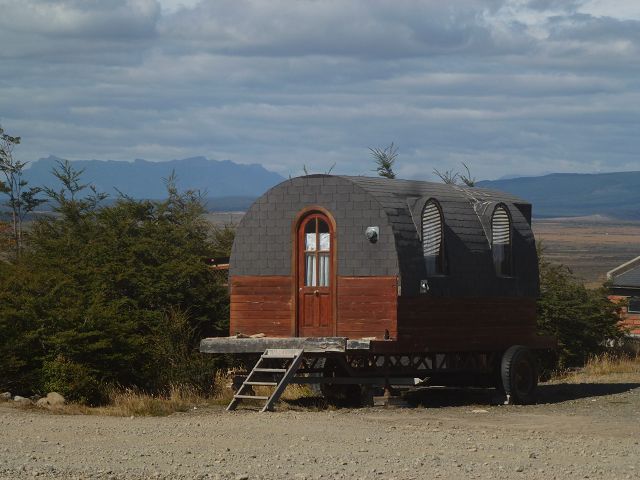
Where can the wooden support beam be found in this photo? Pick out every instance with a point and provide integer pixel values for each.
(259, 345)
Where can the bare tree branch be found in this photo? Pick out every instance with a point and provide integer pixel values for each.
(448, 176)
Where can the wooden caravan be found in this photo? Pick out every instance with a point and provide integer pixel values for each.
(363, 257)
(405, 267)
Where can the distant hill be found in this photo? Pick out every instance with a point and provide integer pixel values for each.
(574, 194)
(225, 184)
(229, 186)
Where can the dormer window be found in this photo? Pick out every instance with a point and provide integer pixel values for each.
(433, 238)
(501, 241)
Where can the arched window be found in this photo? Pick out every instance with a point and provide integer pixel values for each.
(317, 251)
(433, 238)
(501, 240)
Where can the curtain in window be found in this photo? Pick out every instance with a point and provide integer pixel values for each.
(310, 242)
(317, 247)
(323, 270)
(311, 272)
(325, 241)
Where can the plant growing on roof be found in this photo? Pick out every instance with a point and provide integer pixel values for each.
(451, 178)
(385, 158)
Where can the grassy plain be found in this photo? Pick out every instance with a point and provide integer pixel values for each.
(589, 246)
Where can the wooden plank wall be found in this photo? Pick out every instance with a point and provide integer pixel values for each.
(261, 305)
(465, 322)
(367, 306)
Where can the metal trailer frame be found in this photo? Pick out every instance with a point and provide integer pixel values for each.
(338, 361)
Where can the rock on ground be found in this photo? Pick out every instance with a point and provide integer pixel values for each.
(22, 400)
(53, 399)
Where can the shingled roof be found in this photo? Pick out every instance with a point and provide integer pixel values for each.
(263, 241)
(467, 213)
(626, 275)
(403, 201)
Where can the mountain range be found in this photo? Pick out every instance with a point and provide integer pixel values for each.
(229, 186)
(226, 185)
(614, 195)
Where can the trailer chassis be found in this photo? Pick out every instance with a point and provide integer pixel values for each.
(335, 363)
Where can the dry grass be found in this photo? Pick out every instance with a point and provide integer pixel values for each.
(129, 402)
(608, 364)
(223, 391)
(223, 386)
(179, 398)
(601, 368)
(125, 403)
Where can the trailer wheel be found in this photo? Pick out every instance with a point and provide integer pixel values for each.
(519, 375)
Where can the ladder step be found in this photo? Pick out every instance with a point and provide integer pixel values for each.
(287, 374)
(282, 353)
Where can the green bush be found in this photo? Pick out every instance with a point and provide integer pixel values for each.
(177, 358)
(583, 320)
(118, 294)
(72, 380)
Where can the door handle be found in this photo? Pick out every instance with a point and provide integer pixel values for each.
(316, 292)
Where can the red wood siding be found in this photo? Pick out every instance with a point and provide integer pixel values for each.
(261, 305)
(367, 306)
(444, 322)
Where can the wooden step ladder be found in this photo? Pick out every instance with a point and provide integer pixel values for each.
(292, 357)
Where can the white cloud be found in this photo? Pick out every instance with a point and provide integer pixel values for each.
(81, 19)
(515, 86)
(171, 6)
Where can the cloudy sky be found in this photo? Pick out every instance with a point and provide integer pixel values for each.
(510, 87)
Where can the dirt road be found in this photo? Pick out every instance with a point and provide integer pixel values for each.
(588, 431)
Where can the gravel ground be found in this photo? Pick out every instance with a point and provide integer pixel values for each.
(577, 431)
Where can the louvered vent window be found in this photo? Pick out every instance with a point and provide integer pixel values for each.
(432, 238)
(501, 241)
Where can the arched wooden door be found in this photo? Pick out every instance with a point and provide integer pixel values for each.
(316, 276)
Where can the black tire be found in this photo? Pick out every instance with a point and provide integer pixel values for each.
(495, 380)
(519, 375)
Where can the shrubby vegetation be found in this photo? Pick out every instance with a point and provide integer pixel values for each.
(111, 295)
(583, 320)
